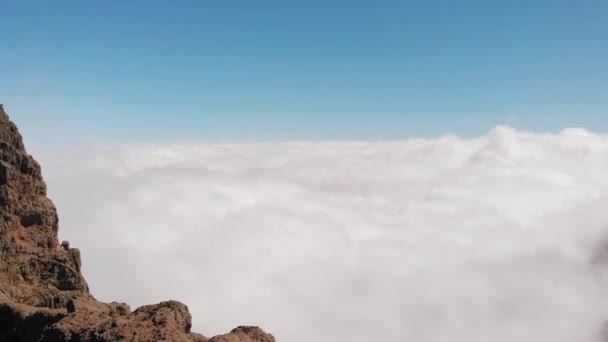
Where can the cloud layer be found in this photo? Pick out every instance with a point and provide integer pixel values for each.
(451, 239)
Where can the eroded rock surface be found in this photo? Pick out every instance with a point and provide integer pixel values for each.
(244, 334)
(43, 295)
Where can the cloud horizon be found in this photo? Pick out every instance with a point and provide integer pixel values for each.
(498, 237)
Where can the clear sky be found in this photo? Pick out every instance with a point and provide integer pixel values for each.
(285, 70)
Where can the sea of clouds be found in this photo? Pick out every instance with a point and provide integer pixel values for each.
(499, 238)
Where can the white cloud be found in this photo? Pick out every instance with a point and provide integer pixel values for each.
(486, 239)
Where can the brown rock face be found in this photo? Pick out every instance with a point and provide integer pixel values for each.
(244, 334)
(43, 295)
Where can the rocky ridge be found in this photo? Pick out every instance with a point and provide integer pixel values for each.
(43, 295)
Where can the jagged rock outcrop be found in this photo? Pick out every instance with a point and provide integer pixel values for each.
(244, 334)
(43, 295)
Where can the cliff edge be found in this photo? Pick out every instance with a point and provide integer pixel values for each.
(43, 295)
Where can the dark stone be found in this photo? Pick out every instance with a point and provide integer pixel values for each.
(15, 326)
(31, 219)
(70, 306)
(4, 174)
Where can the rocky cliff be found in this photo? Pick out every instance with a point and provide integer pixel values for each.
(43, 295)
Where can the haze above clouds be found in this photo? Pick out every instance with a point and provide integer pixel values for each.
(486, 239)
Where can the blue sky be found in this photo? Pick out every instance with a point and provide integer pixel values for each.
(157, 71)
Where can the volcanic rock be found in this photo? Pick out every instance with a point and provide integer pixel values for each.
(244, 334)
(43, 295)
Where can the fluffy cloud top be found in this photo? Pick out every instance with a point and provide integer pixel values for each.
(497, 238)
